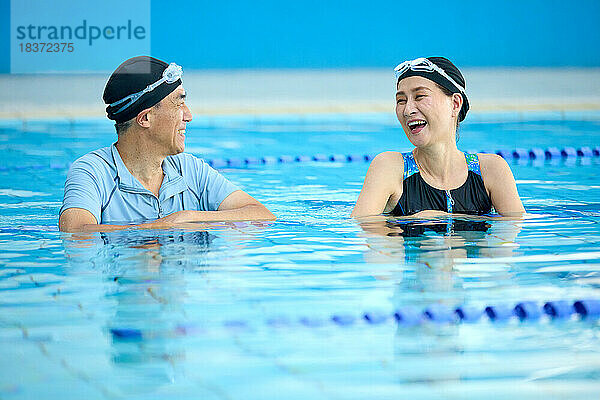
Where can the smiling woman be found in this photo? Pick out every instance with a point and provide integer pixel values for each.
(430, 103)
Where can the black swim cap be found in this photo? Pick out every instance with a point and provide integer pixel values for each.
(450, 70)
(133, 76)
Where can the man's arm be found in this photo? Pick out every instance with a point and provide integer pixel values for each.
(81, 220)
(75, 219)
(241, 204)
(238, 206)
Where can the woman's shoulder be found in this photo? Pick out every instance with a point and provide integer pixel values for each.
(490, 161)
(388, 157)
(386, 165)
(494, 167)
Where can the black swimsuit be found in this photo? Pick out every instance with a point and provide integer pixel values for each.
(417, 195)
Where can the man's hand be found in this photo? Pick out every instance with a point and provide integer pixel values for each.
(238, 206)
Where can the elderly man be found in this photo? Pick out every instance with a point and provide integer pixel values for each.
(145, 176)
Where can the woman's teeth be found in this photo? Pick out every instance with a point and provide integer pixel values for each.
(416, 125)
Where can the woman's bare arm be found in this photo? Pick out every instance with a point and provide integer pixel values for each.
(380, 183)
(500, 183)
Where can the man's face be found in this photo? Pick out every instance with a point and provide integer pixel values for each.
(169, 118)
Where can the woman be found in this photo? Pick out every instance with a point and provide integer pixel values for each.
(430, 103)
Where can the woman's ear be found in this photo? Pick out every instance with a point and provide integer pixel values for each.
(142, 118)
(457, 102)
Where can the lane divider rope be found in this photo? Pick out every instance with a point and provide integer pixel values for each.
(588, 309)
(539, 154)
(551, 153)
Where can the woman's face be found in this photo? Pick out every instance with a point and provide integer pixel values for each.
(425, 112)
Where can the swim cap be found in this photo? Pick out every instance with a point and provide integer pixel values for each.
(133, 76)
(433, 75)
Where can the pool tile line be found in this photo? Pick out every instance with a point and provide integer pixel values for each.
(525, 311)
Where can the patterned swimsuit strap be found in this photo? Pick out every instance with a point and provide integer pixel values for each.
(472, 162)
(410, 165)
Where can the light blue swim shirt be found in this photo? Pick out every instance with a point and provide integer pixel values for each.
(101, 183)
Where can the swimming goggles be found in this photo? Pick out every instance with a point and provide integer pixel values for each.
(170, 75)
(423, 65)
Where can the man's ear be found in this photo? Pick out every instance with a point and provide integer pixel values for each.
(143, 119)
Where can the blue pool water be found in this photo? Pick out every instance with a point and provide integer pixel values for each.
(244, 310)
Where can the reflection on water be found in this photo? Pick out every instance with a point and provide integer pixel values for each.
(148, 269)
(427, 250)
(434, 270)
(432, 253)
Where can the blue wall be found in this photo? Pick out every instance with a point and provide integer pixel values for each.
(376, 33)
(372, 33)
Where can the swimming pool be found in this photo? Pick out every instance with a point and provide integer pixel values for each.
(276, 310)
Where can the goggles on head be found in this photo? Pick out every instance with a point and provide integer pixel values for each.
(423, 65)
(170, 75)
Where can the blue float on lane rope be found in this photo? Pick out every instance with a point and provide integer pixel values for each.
(529, 310)
(559, 309)
(587, 308)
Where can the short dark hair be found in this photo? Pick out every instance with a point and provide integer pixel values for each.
(122, 127)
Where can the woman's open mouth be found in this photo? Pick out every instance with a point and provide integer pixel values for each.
(416, 125)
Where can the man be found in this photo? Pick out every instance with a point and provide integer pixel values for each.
(145, 176)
